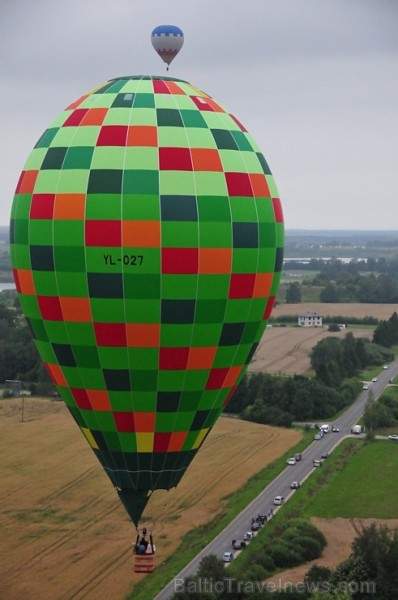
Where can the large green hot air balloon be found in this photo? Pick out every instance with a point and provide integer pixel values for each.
(147, 244)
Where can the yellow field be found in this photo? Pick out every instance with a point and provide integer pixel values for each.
(64, 534)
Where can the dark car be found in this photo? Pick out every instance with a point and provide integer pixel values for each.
(256, 526)
(324, 455)
(238, 545)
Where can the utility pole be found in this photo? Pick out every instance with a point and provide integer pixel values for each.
(17, 385)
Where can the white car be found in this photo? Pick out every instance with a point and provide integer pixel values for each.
(317, 436)
(365, 386)
(393, 436)
(249, 535)
(374, 379)
(227, 557)
(291, 461)
(385, 367)
(278, 500)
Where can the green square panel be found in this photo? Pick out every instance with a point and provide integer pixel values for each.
(144, 311)
(105, 421)
(143, 100)
(210, 184)
(92, 378)
(86, 356)
(108, 310)
(237, 310)
(257, 309)
(143, 358)
(164, 422)
(121, 401)
(81, 334)
(267, 233)
(45, 283)
(209, 399)
(68, 233)
(243, 352)
(74, 377)
(181, 287)
(190, 440)
(172, 336)
(20, 231)
(72, 181)
(103, 158)
(224, 357)
(169, 381)
(200, 138)
(141, 286)
(72, 284)
(35, 159)
(103, 208)
(21, 207)
(275, 283)
(144, 401)
(189, 401)
(46, 352)
(196, 379)
(29, 306)
(57, 332)
(112, 441)
(266, 260)
(141, 157)
(215, 235)
(183, 421)
(144, 380)
(245, 260)
(103, 260)
(214, 209)
(143, 116)
(20, 256)
(128, 442)
(183, 181)
(243, 209)
(192, 118)
(113, 357)
(141, 207)
(213, 287)
(143, 181)
(179, 234)
(206, 334)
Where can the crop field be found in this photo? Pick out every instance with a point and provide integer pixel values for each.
(64, 533)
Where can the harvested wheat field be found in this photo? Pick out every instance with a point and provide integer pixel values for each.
(339, 534)
(286, 350)
(64, 534)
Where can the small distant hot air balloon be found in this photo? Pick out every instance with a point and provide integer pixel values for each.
(147, 245)
(167, 41)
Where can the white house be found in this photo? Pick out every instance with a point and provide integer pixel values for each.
(310, 320)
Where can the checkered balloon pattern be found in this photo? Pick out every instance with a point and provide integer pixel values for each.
(147, 246)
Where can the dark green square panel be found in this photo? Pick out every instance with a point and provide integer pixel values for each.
(45, 283)
(144, 101)
(103, 207)
(105, 181)
(210, 311)
(179, 286)
(69, 259)
(214, 208)
(241, 140)
(190, 440)
(141, 286)
(144, 380)
(192, 118)
(141, 207)
(210, 399)
(128, 442)
(224, 139)
(78, 157)
(141, 182)
(267, 235)
(20, 231)
(47, 137)
(112, 441)
(189, 401)
(86, 356)
(250, 332)
(215, 235)
(125, 100)
(54, 158)
(68, 232)
(104, 421)
(38, 330)
(169, 117)
(21, 206)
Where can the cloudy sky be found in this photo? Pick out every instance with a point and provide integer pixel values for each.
(314, 81)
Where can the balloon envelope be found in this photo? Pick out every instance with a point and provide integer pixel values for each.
(167, 40)
(146, 244)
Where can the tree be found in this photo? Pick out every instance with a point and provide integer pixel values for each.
(293, 293)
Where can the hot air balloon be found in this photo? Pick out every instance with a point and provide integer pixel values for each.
(167, 40)
(146, 245)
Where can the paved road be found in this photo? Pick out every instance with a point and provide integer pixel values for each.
(263, 503)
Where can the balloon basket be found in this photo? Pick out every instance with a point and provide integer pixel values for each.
(144, 563)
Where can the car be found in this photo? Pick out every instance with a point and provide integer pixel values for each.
(249, 535)
(335, 429)
(261, 519)
(278, 500)
(291, 461)
(374, 379)
(317, 462)
(390, 381)
(385, 367)
(298, 456)
(365, 386)
(393, 436)
(317, 436)
(227, 557)
(256, 526)
(294, 485)
(238, 545)
(324, 455)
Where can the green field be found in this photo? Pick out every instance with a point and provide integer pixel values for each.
(367, 485)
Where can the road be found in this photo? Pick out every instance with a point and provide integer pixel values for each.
(263, 503)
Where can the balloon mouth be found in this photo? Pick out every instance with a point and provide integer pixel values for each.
(134, 501)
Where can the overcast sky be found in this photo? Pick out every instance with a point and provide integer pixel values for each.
(314, 81)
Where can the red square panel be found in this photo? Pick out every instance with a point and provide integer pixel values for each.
(124, 421)
(103, 233)
(242, 285)
(112, 135)
(50, 308)
(239, 184)
(175, 159)
(81, 398)
(42, 206)
(173, 358)
(216, 379)
(160, 87)
(180, 260)
(269, 307)
(278, 210)
(161, 442)
(110, 334)
(76, 117)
